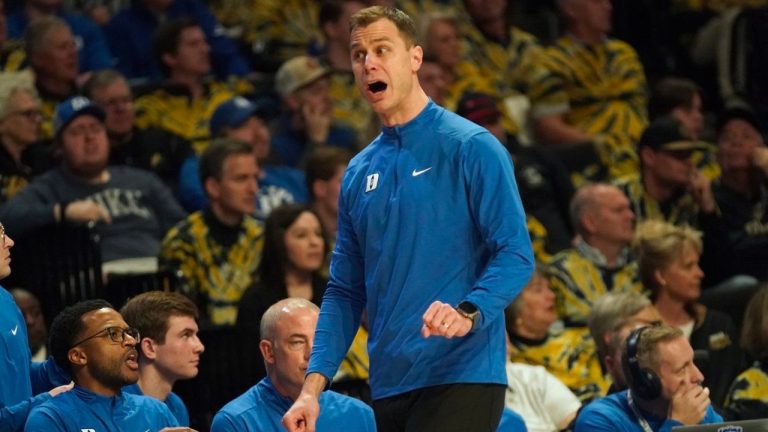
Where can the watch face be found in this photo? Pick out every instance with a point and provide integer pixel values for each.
(467, 308)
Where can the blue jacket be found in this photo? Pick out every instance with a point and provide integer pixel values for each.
(612, 413)
(92, 50)
(130, 33)
(291, 147)
(19, 377)
(173, 402)
(261, 408)
(428, 211)
(80, 409)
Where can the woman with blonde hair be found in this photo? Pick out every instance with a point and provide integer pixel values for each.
(668, 257)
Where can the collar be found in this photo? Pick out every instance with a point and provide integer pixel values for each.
(597, 257)
(271, 395)
(423, 121)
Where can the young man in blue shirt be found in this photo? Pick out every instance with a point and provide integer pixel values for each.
(169, 349)
(664, 387)
(287, 331)
(92, 341)
(431, 240)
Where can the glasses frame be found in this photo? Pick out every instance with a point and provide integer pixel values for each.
(113, 332)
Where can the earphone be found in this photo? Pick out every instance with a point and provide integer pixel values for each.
(643, 381)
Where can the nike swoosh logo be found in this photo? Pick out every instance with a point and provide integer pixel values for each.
(418, 173)
(15, 329)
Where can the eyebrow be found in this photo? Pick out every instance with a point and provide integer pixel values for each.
(373, 41)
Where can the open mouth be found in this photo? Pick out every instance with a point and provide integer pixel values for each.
(377, 87)
(132, 361)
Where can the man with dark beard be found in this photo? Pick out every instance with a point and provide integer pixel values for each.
(92, 341)
(131, 208)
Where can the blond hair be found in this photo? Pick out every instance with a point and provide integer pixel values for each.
(12, 83)
(657, 244)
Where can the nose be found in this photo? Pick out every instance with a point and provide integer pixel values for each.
(9, 241)
(129, 340)
(199, 348)
(369, 63)
(696, 376)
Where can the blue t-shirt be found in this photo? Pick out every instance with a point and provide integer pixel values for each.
(428, 211)
(81, 409)
(261, 408)
(613, 413)
(173, 402)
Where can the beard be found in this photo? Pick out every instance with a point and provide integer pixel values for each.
(109, 373)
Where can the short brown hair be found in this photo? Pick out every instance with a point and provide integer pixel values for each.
(322, 164)
(647, 348)
(400, 19)
(150, 312)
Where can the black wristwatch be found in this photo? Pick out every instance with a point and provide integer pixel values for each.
(468, 310)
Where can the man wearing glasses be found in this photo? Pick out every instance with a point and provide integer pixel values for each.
(20, 379)
(92, 341)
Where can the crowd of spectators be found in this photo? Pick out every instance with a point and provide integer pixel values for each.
(209, 139)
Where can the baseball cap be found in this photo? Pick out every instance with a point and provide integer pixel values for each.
(234, 112)
(737, 112)
(298, 72)
(667, 133)
(478, 107)
(72, 108)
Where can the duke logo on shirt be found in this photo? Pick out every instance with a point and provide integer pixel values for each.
(371, 182)
(87, 430)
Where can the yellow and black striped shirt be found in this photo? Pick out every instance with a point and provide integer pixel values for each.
(680, 210)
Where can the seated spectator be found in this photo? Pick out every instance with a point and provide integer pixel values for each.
(26, 385)
(184, 103)
(325, 169)
(668, 257)
(613, 317)
(747, 398)
(736, 233)
(287, 333)
(20, 119)
(665, 387)
(680, 98)
(92, 49)
(668, 187)
(240, 119)
(152, 149)
(37, 331)
(293, 256)
(12, 55)
(52, 51)
(94, 344)
(567, 354)
(508, 59)
(595, 90)
(130, 32)
(432, 80)
(545, 188)
(307, 123)
(600, 260)
(168, 350)
(349, 106)
(218, 249)
(131, 208)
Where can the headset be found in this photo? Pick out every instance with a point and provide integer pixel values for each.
(643, 381)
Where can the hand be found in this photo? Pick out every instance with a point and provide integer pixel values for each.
(61, 389)
(700, 188)
(318, 122)
(689, 404)
(302, 415)
(760, 158)
(442, 319)
(86, 211)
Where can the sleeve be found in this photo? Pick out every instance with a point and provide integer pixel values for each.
(12, 417)
(44, 420)
(222, 422)
(191, 193)
(31, 208)
(95, 52)
(47, 375)
(592, 420)
(499, 216)
(559, 400)
(344, 298)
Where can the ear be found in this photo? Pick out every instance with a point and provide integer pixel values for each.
(659, 278)
(148, 348)
(267, 353)
(77, 356)
(319, 189)
(291, 101)
(169, 60)
(212, 188)
(588, 223)
(417, 56)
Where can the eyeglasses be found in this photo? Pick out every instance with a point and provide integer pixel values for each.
(117, 334)
(32, 114)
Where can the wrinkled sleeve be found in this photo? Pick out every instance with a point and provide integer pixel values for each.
(12, 417)
(499, 216)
